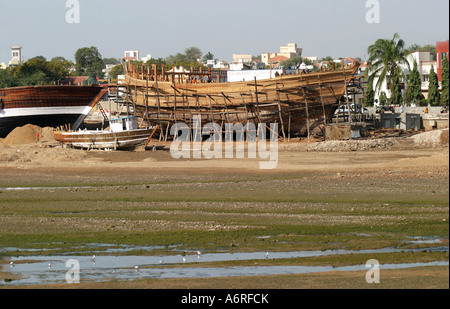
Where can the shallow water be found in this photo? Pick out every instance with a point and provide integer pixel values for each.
(52, 269)
(42, 188)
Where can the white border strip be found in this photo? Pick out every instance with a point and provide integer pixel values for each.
(39, 111)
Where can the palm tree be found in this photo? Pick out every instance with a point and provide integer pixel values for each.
(385, 57)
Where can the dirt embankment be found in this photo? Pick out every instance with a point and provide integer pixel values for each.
(21, 149)
(431, 139)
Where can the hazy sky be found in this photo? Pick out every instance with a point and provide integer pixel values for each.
(223, 27)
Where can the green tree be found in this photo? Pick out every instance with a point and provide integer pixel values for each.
(32, 66)
(8, 79)
(293, 62)
(369, 98)
(445, 82)
(426, 48)
(116, 70)
(383, 98)
(159, 62)
(385, 56)
(396, 93)
(111, 61)
(59, 68)
(38, 70)
(208, 56)
(89, 62)
(433, 88)
(414, 91)
(186, 60)
(193, 53)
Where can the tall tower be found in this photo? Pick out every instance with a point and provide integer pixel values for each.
(16, 55)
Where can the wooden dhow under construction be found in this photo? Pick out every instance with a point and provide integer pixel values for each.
(298, 103)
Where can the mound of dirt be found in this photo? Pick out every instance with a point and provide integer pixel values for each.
(436, 138)
(27, 135)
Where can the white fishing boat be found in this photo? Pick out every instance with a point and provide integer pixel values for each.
(123, 133)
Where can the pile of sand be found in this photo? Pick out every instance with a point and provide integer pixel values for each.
(27, 135)
(20, 147)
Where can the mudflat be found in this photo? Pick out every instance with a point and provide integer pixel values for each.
(55, 198)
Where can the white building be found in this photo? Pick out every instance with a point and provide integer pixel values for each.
(147, 58)
(131, 55)
(217, 64)
(16, 55)
(108, 69)
(242, 58)
(424, 63)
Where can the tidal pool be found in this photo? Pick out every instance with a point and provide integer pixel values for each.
(49, 269)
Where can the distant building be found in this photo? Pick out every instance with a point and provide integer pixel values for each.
(289, 51)
(245, 62)
(108, 69)
(217, 64)
(312, 58)
(242, 58)
(254, 65)
(146, 58)
(275, 62)
(424, 62)
(131, 55)
(16, 56)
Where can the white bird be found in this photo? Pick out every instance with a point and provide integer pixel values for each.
(267, 255)
(136, 268)
(49, 265)
(160, 262)
(184, 260)
(199, 253)
(11, 264)
(93, 258)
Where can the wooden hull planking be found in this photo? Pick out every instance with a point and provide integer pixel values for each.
(297, 102)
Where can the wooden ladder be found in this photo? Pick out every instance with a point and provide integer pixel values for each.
(100, 108)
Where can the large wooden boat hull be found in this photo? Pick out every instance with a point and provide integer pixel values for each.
(46, 106)
(297, 102)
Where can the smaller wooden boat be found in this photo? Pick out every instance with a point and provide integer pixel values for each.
(123, 133)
